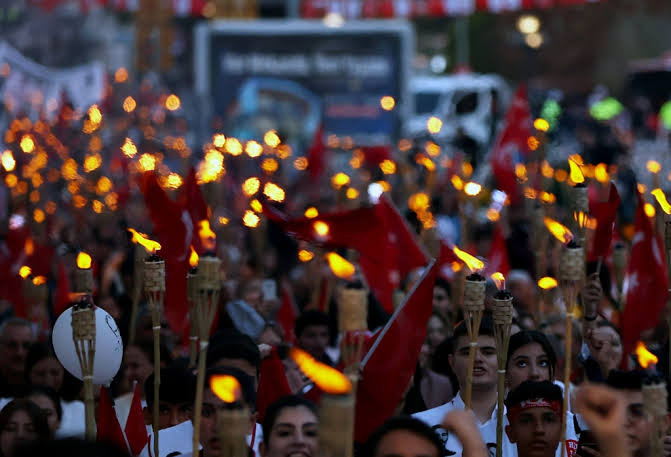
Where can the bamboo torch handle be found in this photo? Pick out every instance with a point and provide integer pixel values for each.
(198, 407)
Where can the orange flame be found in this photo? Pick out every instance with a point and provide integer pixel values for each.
(576, 174)
(500, 280)
(547, 283)
(471, 262)
(645, 357)
(193, 258)
(29, 247)
(207, 236)
(321, 228)
(661, 199)
(580, 218)
(653, 166)
(83, 261)
(141, 239)
(25, 271)
(340, 266)
(560, 232)
(325, 377)
(39, 280)
(226, 387)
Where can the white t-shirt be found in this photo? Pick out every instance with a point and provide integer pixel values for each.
(434, 417)
(73, 420)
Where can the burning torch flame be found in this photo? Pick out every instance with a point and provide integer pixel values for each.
(340, 266)
(499, 280)
(576, 174)
(653, 166)
(226, 387)
(193, 258)
(471, 262)
(547, 283)
(580, 218)
(661, 199)
(149, 245)
(645, 357)
(326, 378)
(559, 231)
(25, 271)
(321, 228)
(39, 280)
(83, 261)
(472, 189)
(207, 236)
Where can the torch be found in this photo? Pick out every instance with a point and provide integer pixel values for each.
(503, 317)
(83, 280)
(207, 298)
(353, 322)
(154, 288)
(654, 398)
(34, 290)
(580, 205)
(84, 337)
(192, 298)
(661, 199)
(232, 421)
(545, 284)
(571, 273)
(474, 306)
(336, 411)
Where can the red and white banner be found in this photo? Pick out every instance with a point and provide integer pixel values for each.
(353, 9)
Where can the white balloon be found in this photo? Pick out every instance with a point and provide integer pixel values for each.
(109, 347)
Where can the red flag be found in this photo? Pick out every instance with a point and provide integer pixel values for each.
(174, 230)
(272, 383)
(387, 248)
(316, 153)
(511, 144)
(62, 296)
(394, 352)
(287, 314)
(645, 284)
(605, 213)
(497, 258)
(136, 431)
(109, 430)
(446, 257)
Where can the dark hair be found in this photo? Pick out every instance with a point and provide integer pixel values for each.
(246, 382)
(231, 344)
(530, 390)
(310, 317)
(51, 394)
(34, 412)
(276, 407)
(69, 447)
(410, 424)
(36, 353)
(606, 323)
(443, 284)
(525, 337)
(486, 329)
(178, 385)
(148, 350)
(626, 380)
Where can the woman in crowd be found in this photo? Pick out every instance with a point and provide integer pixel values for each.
(530, 358)
(44, 369)
(291, 425)
(21, 422)
(50, 404)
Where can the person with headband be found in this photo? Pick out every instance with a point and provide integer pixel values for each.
(534, 411)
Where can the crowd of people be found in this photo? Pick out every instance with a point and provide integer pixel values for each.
(278, 293)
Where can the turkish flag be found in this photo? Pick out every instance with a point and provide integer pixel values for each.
(136, 431)
(109, 430)
(62, 295)
(174, 230)
(511, 144)
(605, 213)
(394, 353)
(387, 248)
(497, 258)
(287, 314)
(645, 283)
(273, 383)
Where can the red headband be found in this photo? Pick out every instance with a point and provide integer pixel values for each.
(555, 405)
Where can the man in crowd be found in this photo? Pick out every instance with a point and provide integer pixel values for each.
(312, 334)
(176, 395)
(16, 337)
(484, 397)
(534, 411)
